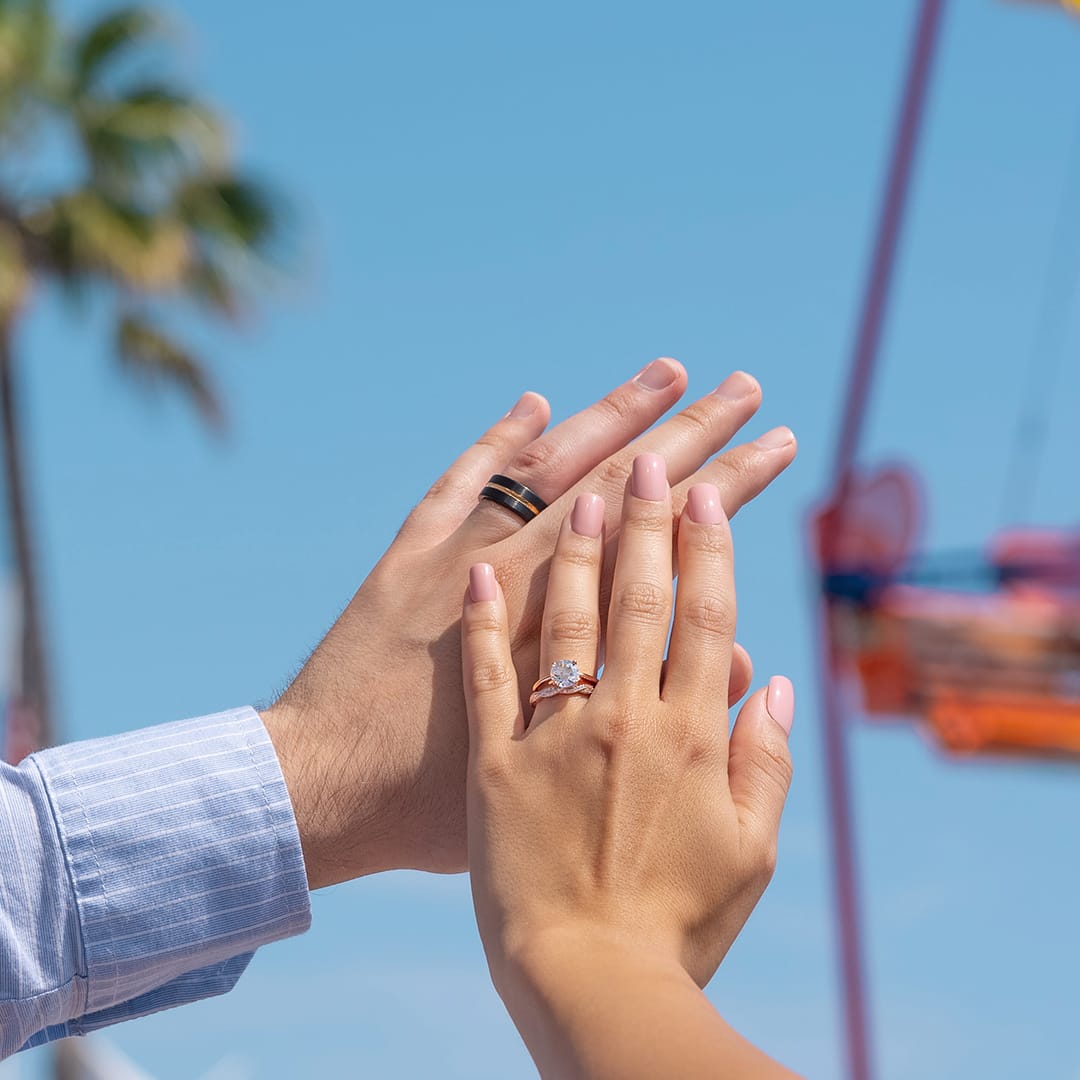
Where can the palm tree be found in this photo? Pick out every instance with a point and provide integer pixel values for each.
(155, 219)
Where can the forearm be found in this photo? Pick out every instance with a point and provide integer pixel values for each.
(596, 1010)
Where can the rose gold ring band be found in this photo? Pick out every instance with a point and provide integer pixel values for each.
(551, 690)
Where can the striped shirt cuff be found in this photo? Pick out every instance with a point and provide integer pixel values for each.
(183, 856)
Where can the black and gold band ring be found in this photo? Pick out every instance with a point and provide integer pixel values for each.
(517, 497)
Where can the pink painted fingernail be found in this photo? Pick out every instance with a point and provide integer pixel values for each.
(736, 386)
(658, 375)
(703, 503)
(482, 582)
(649, 477)
(775, 439)
(780, 701)
(526, 406)
(587, 517)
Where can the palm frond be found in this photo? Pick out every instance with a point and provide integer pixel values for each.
(148, 352)
(87, 233)
(132, 139)
(153, 112)
(230, 209)
(25, 33)
(238, 229)
(26, 36)
(14, 275)
(104, 40)
(210, 283)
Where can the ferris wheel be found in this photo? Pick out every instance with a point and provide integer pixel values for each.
(980, 648)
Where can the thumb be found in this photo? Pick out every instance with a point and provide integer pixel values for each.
(759, 761)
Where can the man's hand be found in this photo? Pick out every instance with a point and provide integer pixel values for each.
(372, 734)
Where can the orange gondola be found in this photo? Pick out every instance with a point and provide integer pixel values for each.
(984, 650)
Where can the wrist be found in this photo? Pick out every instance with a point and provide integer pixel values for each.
(573, 989)
(548, 962)
(339, 800)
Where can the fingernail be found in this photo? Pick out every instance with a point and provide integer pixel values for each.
(703, 503)
(736, 386)
(482, 582)
(526, 406)
(775, 439)
(587, 517)
(659, 374)
(648, 479)
(780, 701)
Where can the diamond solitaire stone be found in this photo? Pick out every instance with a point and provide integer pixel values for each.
(565, 674)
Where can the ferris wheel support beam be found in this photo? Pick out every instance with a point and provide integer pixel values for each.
(864, 356)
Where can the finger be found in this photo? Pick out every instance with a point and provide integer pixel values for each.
(759, 763)
(743, 472)
(488, 675)
(742, 674)
(703, 632)
(454, 494)
(571, 627)
(552, 464)
(640, 611)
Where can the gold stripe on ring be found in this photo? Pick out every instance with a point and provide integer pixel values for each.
(514, 495)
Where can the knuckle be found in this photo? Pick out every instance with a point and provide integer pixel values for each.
(711, 540)
(612, 730)
(617, 409)
(689, 736)
(698, 421)
(575, 556)
(611, 475)
(711, 615)
(449, 484)
(493, 440)
(776, 762)
(539, 458)
(573, 627)
(640, 601)
(481, 623)
(736, 468)
(491, 675)
(759, 854)
(490, 767)
(649, 521)
(766, 861)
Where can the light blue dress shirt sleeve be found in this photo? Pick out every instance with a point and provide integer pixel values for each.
(140, 872)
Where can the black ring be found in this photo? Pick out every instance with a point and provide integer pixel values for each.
(516, 497)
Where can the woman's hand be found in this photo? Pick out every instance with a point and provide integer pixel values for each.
(372, 734)
(621, 837)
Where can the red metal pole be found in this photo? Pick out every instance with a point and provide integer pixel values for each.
(867, 339)
(890, 220)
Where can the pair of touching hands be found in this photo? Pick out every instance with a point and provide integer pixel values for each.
(372, 734)
(616, 842)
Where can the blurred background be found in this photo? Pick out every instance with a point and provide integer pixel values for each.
(480, 198)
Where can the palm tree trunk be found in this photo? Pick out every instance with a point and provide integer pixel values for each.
(34, 683)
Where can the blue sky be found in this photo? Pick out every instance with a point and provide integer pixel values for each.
(499, 197)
